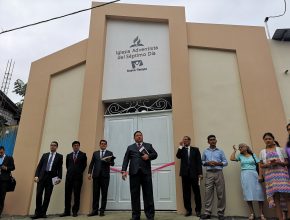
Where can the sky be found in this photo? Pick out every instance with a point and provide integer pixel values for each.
(30, 44)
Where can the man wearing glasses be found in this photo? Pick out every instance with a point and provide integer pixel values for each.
(48, 173)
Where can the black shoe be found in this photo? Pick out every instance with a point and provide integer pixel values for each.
(93, 214)
(188, 214)
(205, 216)
(75, 214)
(221, 217)
(35, 216)
(198, 214)
(43, 216)
(102, 214)
(64, 214)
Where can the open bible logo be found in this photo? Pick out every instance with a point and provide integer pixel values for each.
(136, 63)
(137, 42)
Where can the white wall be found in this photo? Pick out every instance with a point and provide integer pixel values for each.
(281, 59)
(152, 76)
(62, 125)
(218, 108)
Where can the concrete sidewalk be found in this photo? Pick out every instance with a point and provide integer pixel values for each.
(112, 215)
(124, 215)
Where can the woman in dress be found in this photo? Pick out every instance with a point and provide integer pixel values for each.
(287, 149)
(252, 189)
(274, 162)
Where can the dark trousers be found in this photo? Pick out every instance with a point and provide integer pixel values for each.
(45, 184)
(145, 181)
(72, 186)
(187, 183)
(100, 184)
(3, 188)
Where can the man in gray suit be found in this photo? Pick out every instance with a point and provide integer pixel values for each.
(140, 155)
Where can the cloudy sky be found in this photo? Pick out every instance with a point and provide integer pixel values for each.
(26, 45)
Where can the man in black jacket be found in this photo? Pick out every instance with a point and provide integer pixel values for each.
(140, 155)
(48, 173)
(191, 174)
(76, 163)
(6, 166)
(99, 170)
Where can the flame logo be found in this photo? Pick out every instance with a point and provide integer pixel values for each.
(136, 63)
(136, 42)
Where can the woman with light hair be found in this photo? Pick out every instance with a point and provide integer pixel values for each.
(252, 189)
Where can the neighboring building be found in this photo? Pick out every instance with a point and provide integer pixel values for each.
(8, 111)
(9, 119)
(145, 68)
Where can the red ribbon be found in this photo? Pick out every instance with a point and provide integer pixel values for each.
(154, 170)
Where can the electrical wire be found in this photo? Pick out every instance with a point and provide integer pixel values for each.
(274, 16)
(58, 17)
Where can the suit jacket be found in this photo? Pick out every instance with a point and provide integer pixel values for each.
(9, 163)
(191, 167)
(56, 169)
(136, 162)
(98, 167)
(75, 168)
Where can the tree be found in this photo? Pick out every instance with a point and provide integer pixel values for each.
(20, 89)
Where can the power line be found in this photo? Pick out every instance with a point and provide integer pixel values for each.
(58, 17)
(274, 16)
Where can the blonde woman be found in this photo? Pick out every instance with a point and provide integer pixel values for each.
(252, 189)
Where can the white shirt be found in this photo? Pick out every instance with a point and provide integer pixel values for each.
(101, 153)
(53, 156)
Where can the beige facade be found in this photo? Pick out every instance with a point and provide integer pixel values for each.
(223, 74)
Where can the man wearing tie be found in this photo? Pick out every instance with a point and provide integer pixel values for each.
(191, 173)
(99, 170)
(6, 166)
(48, 169)
(76, 163)
(140, 155)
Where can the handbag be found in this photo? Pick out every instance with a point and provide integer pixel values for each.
(258, 170)
(11, 184)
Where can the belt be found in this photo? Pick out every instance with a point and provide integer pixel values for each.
(214, 170)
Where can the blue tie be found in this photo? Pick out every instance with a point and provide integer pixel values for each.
(49, 163)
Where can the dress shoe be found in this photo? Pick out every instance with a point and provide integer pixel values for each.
(35, 216)
(188, 214)
(205, 216)
(43, 216)
(197, 214)
(93, 214)
(102, 214)
(221, 217)
(64, 214)
(75, 214)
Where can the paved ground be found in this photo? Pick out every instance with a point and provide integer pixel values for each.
(125, 215)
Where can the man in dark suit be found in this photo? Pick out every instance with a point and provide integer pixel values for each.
(48, 173)
(191, 174)
(140, 155)
(76, 163)
(99, 170)
(6, 166)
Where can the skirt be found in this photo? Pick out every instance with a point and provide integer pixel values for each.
(252, 189)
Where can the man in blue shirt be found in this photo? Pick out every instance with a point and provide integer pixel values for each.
(214, 160)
